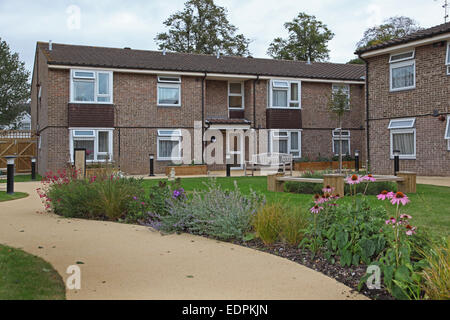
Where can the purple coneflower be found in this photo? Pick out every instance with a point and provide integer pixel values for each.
(354, 179)
(316, 209)
(400, 197)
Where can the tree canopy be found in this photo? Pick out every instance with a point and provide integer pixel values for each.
(14, 85)
(391, 28)
(202, 27)
(307, 39)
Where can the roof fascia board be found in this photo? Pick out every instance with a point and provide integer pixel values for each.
(407, 45)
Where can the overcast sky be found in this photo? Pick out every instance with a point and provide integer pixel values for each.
(135, 23)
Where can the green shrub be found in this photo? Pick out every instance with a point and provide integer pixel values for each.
(373, 188)
(303, 187)
(221, 214)
(294, 222)
(267, 222)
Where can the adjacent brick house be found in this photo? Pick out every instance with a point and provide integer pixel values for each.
(408, 103)
(124, 104)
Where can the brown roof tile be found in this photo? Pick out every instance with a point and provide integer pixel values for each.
(75, 55)
(419, 35)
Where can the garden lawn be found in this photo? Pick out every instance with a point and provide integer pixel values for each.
(23, 178)
(430, 206)
(17, 195)
(27, 277)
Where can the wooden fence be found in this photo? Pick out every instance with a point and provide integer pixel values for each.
(19, 143)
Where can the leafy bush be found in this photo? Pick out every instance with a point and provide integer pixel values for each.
(222, 214)
(373, 188)
(303, 187)
(293, 225)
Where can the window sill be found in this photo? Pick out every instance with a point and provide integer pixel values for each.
(405, 158)
(168, 159)
(285, 108)
(168, 106)
(402, 89)
(89, 102)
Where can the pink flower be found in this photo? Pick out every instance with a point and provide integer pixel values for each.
(385, 195)
(328, 189)
(391, 221)
(400, 197)
(405, 216)
(143, 203)
(369, 178)
(410, 230)
(316, 209)
(354, 179)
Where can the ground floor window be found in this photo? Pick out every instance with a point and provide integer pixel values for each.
(169, 145)
(97, 142)
(286, 141)
(447, 131)
(403, 137)
(337, 137)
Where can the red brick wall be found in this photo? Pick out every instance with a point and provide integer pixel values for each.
(431, 92)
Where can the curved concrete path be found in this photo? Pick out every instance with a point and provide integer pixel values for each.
(132, 262)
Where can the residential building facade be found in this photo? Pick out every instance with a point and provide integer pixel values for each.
(123, 105)
(408, 82)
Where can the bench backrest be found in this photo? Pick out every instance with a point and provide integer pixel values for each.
(271, 158)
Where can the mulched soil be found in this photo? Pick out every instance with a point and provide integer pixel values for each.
(349, 276)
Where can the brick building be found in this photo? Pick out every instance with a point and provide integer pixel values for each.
(408, 102)
(124, 104)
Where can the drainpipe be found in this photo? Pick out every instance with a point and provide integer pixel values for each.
(254, 101)
(367, 112)
(203, 114)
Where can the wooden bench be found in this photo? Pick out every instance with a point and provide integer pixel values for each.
(406, 181)
(269, 160)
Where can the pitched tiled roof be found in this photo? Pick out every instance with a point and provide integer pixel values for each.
(74, 55)
(419, 35)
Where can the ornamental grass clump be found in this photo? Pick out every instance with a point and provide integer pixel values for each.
(217, 213)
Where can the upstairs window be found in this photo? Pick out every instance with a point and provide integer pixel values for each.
(284, 94)
(91, 86)
(169, 145)
(236, 95)
(447, 133)
(403, 137)
(169, 91)
(345, 88)
(345, 137)
(447, 60)
(402, 71)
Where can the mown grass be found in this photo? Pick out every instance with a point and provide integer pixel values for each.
(23, 178)
(17, 195)
(430, 206)
(27, 277)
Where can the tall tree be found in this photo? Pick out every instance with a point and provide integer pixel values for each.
(14, 86)
(307, 39)
(202, 27)
(391, 28)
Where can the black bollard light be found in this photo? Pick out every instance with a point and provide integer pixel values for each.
(396, 161)
(357, 160)
(228, 166)
(33, 168)
(10, 174)
(152, 174)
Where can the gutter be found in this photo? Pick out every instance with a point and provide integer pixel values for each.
(367, 112)
(203, 115)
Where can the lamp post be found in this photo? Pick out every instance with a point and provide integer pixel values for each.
(357, 160)
(152, 174)
(33, 168)
(10, 174)
(396, 161)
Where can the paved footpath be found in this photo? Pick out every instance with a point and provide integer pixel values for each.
(133, 262)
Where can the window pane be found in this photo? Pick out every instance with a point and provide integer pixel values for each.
(169, 79)
(447, 131)
(103, 99)
(280, 146)
(103, 83)
(294, 141)
(345, 147)
(168, 149)
(83, 90)
(169, 95)
(84, 74)
(235, 101)
(281, 84)
(404, 142)
(280, 98)
(403, 77)
(401, 124)
(294, 91)
(103, 145)
(235, 88)
(402, 56)
(448, 54)
(85, 144)
(84, 133)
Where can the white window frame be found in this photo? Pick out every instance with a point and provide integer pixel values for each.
(94, 137)
(403, 129)
(272, 85)
(412, 52)
(242, 95)
(447, 58)
(404, 62)
(335, 88)
(163, 82)
(278, 134)
(169, 135)
(336, 137)
(95, 78)
(447, 133)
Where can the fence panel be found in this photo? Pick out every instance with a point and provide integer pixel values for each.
(19, 143)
